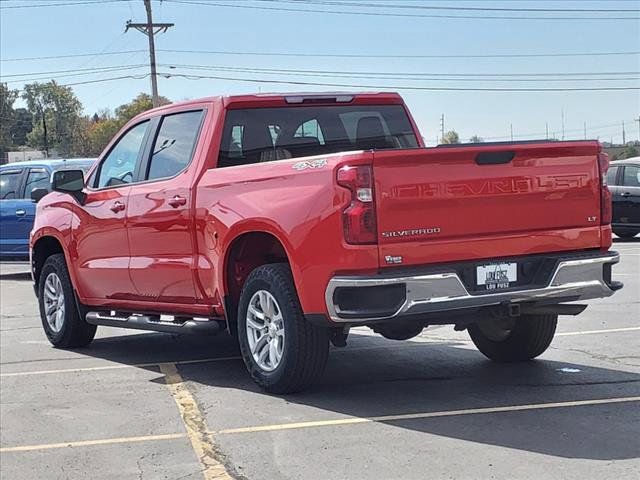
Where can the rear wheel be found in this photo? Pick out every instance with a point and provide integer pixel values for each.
(61, 320)
(513, 339)
(281, 350)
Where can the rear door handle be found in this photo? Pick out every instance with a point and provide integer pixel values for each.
(625, 194)
(177, 201)
(21, 212)
(117, 207)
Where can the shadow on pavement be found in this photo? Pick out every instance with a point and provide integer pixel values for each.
(635, 239)
(373, 377)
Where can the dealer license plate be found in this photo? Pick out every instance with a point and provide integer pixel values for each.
(497, 275)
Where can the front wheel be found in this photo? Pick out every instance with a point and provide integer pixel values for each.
(58, 310)
(513, 339)
(281, 350)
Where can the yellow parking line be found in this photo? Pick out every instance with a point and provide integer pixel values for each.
(201, 439)
(413, 416)
(89, 443)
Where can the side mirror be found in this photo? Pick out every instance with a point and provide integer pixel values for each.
(69, 181)
(38, 193)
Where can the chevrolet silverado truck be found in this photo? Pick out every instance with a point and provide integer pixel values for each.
(288, 219)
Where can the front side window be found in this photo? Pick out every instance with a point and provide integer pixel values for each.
(631, 176)
(268, 134)
(9, 184)
(37, 178)
(174, 144)
(119, 166)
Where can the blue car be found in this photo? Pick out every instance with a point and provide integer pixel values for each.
(17, 209)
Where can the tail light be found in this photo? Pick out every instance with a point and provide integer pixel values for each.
(359, 218)
(605, 194)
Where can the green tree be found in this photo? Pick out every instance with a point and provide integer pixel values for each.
(140, 104)
(101, 132)
(104, 125)
(629, 152)
(451, 137)
(22, 125)
(7, 117)
(56, 113)
(476, 139)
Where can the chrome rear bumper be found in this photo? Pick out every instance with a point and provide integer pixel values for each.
(572, 280)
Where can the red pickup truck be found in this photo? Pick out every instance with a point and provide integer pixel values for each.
(288, 219)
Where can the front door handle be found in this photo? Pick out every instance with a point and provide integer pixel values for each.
(177, 201)
(21, 212)
(117, 207)
(625, 194)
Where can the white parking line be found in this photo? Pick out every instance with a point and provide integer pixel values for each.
(115, 367)
(425, 415)
(331, 422)
(591, 332)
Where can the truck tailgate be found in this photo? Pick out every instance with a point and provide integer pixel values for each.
(486, 201)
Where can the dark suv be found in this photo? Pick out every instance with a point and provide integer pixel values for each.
(624, 182)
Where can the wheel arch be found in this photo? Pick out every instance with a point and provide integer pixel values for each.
(246, 251)
(45, 246)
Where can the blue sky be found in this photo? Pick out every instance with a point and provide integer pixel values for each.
(63, 30)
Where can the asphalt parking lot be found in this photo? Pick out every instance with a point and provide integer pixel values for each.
(138, 405)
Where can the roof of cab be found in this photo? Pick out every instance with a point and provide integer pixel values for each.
(627, 161)
(257, 100)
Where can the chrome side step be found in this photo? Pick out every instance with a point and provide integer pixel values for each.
(155, 323)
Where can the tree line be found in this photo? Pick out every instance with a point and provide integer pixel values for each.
(52, 120)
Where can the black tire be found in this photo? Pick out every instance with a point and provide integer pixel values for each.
(527, 337)
(623, 233)
(306, 347)
(75, 331)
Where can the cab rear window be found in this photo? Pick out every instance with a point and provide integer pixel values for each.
(268, 134)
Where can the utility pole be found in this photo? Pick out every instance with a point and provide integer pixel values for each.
(442, 128)
(150, 29)
(546, 128)
(562, 115)
(624, 135)
(638, 120)
(585, 130)
(511, 129)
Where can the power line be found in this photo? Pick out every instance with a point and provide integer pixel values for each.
(78, 70)
(50, 78)
(438, 7)
(60, 4)
(355, 55)
(73, 55)
(395, 87)
(391, 14)
(329, 55)
(412, 74)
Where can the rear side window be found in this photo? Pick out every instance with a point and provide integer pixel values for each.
(268, 134)
(612, 173)
(174, 144)
(9, 184)
(37, 178)
(631, 176)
